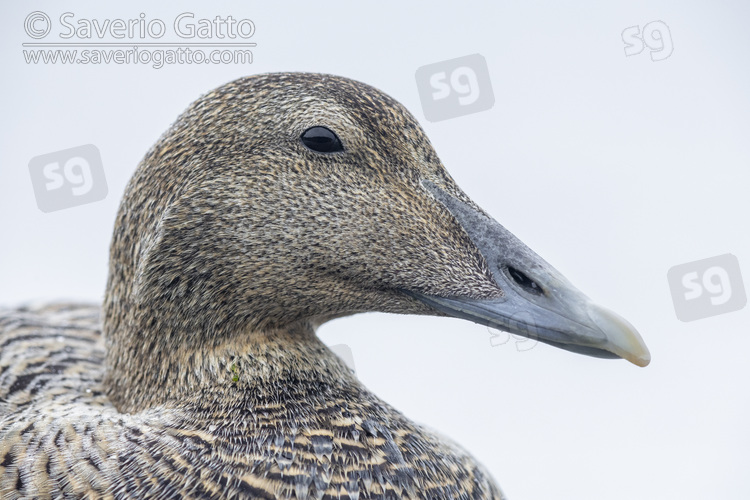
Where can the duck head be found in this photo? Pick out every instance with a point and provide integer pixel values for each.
(286, 199)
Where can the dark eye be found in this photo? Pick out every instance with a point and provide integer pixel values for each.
(322, 140)
(524, 281)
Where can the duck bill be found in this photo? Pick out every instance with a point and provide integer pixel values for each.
(537, 302)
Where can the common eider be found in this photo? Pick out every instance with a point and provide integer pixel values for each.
(272, 205)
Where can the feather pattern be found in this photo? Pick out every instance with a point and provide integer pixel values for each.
(201, 376)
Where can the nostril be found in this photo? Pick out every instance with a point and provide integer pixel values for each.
(525, 282)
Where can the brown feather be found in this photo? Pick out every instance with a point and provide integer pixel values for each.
(233, 242)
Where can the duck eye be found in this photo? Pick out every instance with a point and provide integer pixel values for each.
(524, 281)
(322, 140)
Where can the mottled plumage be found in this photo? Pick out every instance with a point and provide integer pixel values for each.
(232, 242)
(203, 376)
(266, 430)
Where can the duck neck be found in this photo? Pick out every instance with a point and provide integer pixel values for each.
(142, 374)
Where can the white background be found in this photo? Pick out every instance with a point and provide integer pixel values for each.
(613, 168)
